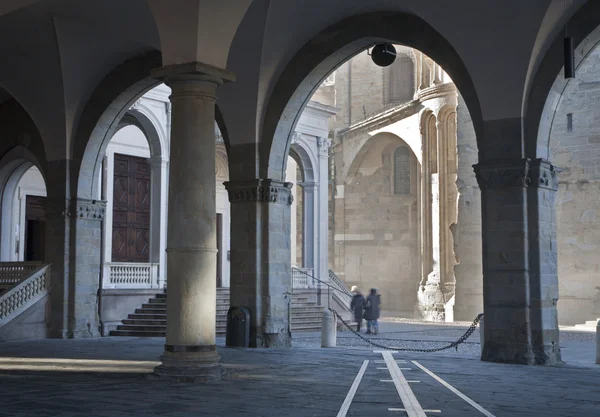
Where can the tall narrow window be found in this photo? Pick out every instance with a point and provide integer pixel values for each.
(402, 170)
(399, 81)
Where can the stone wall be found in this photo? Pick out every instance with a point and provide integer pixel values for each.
(380, 235)
(575, 147)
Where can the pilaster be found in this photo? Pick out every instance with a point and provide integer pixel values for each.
(260, 257)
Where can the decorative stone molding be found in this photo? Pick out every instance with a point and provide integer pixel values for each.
(260, 191)
(136, 105)
(435, 91)
(77, 208)
(295, 137)
(323, 144)
(88, 209)
(520, 173)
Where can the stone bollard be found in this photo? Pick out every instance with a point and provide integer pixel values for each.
(598, 342)
(328, 330)
(481, 337)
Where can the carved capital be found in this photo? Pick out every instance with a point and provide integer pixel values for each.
(543, 174)
(520, 173)
(324, 144)
(79, 208)
(85, 209)
(260, 191)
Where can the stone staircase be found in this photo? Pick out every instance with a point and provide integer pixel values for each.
(150, 320)
(589, 325)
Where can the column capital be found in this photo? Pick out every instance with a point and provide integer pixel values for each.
(323, 144)
(537, 173)
(260, 191)
(193, 71)
(78, 208)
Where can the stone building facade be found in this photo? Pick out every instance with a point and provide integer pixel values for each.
(394, 211)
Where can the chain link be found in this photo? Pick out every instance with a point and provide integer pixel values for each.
(462, 339)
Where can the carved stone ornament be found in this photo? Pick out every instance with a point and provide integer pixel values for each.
(521, 173)
(88, 209)
(324, 144)
(260, 191)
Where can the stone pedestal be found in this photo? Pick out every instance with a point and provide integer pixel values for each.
(261, 277)
(520, 282)
(190, 353)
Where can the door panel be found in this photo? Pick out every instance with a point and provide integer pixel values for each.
(131, 209)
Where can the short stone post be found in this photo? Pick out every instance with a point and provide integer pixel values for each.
(328, 330)
(481, 335)
(598, 342)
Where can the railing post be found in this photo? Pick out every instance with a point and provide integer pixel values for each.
(328, 330)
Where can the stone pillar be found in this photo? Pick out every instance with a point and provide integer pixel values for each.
(158, 220)
(520, 282)
(73, 246)
(261, 277)
(190, 352)
(322, 241)
(309, 227)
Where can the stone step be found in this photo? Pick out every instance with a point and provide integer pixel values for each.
(159, 301)
(142, 316)
(307, 328)
(150, 311)
(145, 328)
(138, 333)
(146, 322)
(302, 321)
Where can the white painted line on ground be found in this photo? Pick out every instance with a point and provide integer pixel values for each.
(382, 351)
(403, 409)
(454, 390)
(402, 369)
(353, 388)
(410, 402)
(397, 361)
(386, 380)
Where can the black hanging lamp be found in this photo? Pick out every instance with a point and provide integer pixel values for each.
(383, 54)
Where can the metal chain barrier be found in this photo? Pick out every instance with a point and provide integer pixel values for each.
(462, 339)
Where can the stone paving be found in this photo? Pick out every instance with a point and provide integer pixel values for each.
(109, 377)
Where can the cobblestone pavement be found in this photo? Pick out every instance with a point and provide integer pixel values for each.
(109, 377)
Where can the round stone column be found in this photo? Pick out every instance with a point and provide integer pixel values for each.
(190, 353)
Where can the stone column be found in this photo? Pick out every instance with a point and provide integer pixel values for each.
(261, 277)
(190, 352)
(520, 282)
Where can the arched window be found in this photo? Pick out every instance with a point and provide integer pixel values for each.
(399, 81)
(402, 170)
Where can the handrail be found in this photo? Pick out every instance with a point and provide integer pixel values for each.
(327, 284)
(29, 290)
(339, 282)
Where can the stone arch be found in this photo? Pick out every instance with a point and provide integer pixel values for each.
(367, 145)
(221, 165)
(301, 152)
(548, 84)
(13, 166)
(313, 63)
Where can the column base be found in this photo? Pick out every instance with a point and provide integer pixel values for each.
(189, 367)
(522, 354)
(430, 305)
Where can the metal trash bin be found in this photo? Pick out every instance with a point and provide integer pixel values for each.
(238, 327)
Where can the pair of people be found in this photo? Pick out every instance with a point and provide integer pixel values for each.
(368, 308)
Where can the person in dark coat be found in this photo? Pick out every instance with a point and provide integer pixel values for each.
(372, 311)
(356, 305)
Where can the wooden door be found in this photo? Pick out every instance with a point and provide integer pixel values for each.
(131, 209)
(35, 228)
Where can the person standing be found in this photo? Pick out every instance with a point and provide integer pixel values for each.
(356, 305)
(372, 311)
